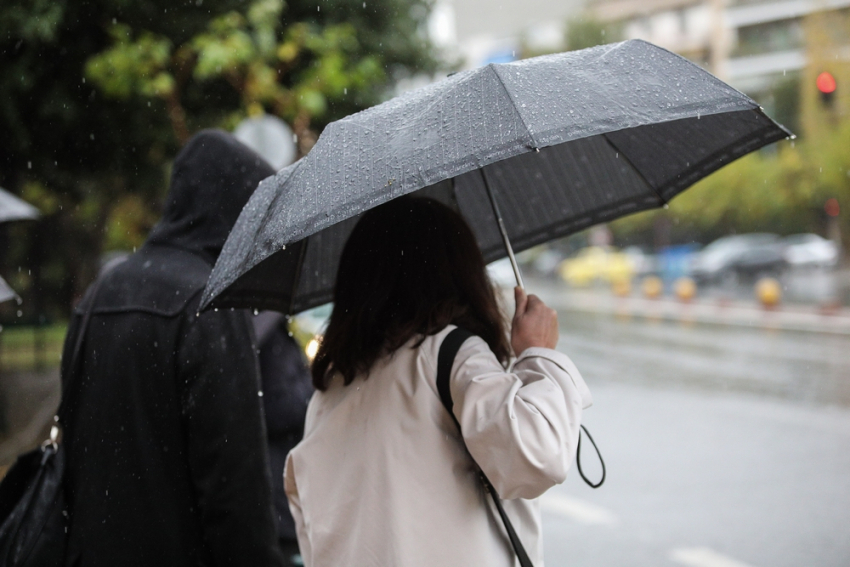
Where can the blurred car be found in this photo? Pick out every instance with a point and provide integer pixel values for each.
(502, 273)
(643, 262)
(810, 250)
(739, 255)
(674, 261)
(547, 261)
(314, 321)
(596, 263)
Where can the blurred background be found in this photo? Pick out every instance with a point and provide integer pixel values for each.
(715, 332)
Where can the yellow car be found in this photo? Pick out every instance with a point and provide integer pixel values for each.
(596, 263)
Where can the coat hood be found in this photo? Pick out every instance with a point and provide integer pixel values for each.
(214, 176)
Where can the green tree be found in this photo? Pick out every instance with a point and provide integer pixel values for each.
(96, 97)
(585, 31)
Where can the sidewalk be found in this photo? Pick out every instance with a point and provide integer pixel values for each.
(29, 400)
(789, 317)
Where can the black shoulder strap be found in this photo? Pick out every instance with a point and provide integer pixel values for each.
(448, 351)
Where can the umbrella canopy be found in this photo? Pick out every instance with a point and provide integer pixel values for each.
(13, 208)
(562, 142)
(6, 292)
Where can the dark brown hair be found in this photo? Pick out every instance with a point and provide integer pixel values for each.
(410, 267)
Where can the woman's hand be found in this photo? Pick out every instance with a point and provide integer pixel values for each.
(534, 324)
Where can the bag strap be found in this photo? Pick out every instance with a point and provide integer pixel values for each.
(448, 351)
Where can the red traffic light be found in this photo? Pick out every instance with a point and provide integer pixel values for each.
(826, 83)
(831, 207)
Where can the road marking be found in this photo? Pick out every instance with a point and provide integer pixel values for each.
(703, 557)
(577, 510)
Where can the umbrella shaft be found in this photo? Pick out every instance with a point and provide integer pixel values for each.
(502, 230)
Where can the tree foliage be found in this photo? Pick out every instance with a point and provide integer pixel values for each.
(585, 31)
(96, 97)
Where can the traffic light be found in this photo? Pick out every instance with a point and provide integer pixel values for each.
(826, 85)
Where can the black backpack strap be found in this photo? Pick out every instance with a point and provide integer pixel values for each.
(448, 350)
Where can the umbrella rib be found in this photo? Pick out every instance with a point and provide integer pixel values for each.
(662, 200)
(533, 145)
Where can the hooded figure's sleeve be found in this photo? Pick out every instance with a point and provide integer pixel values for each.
(226, 439)
(522, 426)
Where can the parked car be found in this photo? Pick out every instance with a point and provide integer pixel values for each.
(596, 263)
(501, 273)
(739, 255)
(810, 250)
(643, 263)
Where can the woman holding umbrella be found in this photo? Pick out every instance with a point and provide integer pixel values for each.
(384, 475)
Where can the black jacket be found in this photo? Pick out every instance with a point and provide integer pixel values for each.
(166, 448)
(287, 388)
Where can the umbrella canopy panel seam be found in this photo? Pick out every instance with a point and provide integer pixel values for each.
(495, 70)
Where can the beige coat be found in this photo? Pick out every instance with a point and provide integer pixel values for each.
(383, 479)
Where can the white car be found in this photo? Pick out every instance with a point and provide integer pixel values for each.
(810, 250)
(501, 273)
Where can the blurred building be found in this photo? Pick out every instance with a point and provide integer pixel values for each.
(765, 48)
(477, 32)
(758, 46)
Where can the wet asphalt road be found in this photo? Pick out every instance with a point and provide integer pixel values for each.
(726, 447)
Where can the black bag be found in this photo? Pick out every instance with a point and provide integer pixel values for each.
(32, 505)
(445, 359)
(33, 513)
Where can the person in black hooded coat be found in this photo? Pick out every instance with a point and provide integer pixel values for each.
(166, 447)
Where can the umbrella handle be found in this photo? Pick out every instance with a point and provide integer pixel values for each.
(502, 229)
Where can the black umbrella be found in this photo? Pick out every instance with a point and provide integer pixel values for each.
(558, 143)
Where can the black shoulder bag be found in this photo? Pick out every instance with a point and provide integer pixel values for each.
(33, 514)
(448, 351)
